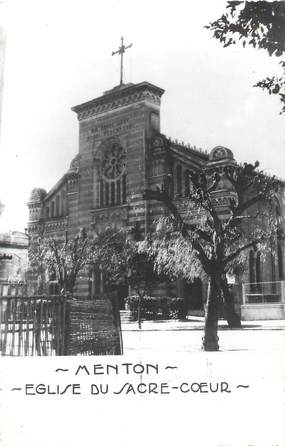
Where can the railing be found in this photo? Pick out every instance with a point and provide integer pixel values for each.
(32, 326)
(263, 293)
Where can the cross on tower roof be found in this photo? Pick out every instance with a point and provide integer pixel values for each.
(121, 51)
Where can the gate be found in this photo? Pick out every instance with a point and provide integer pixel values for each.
(54, 325)
(32, 326)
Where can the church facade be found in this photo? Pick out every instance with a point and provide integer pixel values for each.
(121, 154)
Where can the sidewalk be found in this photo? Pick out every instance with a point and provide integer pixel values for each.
(174, 336)
(197, 323)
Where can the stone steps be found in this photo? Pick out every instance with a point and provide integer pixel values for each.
(126, 316)
(199, 313)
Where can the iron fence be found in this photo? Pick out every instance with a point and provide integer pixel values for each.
(32, 326)
(263, 293)
(55, 325)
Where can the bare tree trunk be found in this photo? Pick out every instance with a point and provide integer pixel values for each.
(231, 316)
(210, 339)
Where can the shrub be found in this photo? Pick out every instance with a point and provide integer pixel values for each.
(153, 308)
(178, 309)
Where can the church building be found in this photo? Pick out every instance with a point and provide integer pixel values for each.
(121, 154)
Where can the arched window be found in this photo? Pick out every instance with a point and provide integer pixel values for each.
(280, 261)
(124, 187)
(186, 183)
(112, 193)
(118, 191)
(101, 193)
(179, 180)
(251, 267)
(112, 174)
(63, 207)
(57, 206)
(107, 194)
(273, 266)
(258, 268)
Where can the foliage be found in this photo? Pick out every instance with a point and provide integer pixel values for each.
(121, 261)
(62, 258)
(110, 255)
(260, 24)
(110, 250)
(185, 248)
(141, 276)
(170, 252)
(211, 241)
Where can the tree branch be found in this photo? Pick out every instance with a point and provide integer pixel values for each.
(235, 254)
(164, 197)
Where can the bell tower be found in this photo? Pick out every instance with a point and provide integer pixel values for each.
(114, 131)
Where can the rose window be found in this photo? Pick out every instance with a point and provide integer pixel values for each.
(114, 162)
(113, 179)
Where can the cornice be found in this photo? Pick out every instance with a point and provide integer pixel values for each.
(48, 224)
(189, 152)
(118, 98)
(160, 143)
(55, 225)
(109, 214)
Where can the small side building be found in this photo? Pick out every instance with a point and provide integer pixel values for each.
(13, 261)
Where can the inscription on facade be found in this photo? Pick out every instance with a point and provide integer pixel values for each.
(109, 128)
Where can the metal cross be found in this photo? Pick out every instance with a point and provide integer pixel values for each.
(121, 51)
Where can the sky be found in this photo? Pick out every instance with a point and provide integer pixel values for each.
(58, 54)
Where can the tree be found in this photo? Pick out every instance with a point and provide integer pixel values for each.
(141, 276)
(122, 262)
(62, 258)
(260, 24)
(109, 255)
(214, 242)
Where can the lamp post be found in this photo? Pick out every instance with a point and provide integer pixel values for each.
(133, 236)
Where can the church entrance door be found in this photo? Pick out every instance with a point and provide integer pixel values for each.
(193, 295)
(122, 291)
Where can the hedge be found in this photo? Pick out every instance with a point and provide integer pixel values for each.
(153, 308)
